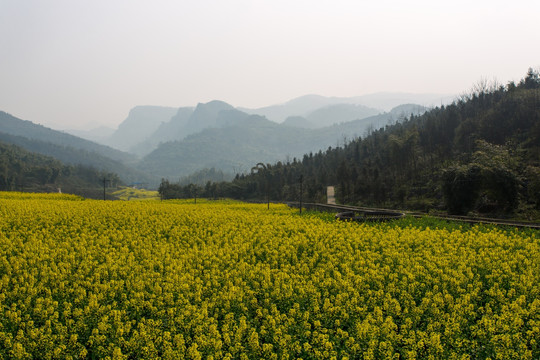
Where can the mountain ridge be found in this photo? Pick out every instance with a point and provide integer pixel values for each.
(249, 139)
(139, 124)
(381, 101)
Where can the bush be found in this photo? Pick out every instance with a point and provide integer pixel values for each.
(499, 190)
(461, 188)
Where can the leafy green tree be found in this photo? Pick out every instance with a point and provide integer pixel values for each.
(461, 188)
(533, 186)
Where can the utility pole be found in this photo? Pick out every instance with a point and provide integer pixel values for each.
(104, 185)
(267, 195)
(301, 179)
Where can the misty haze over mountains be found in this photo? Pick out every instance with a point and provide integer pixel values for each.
(141, 121)
(156, 142)
(238, 141)
(147, 126)
(217, 135)
(380, 102)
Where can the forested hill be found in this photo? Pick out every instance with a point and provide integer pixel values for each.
(73, 156)
(23, 170)
(481, 153)
(69, 149)
(13, 126)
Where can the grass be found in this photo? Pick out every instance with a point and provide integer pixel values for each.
(430, 222)
(129, 194)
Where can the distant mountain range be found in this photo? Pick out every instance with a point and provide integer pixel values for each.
(140, 123)
(379, 102)
(237, 141)
(148, 126)
(99, 134)
(155, 142)
(167, 131)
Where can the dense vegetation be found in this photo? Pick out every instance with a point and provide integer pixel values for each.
(77, 157)
(69, 149)
(481, 153)
(26, 171)
(17, 127)
(223, 280)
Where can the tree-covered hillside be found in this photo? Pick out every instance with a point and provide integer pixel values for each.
(70, 149)
(13, 126)
(481, 153)
(74, 156)
(22, 170)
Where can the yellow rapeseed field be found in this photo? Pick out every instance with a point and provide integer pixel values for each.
(227, 280)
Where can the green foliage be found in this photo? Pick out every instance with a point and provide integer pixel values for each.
(201, 177)
(75, 156)
(26, 171)
(431, 222)
(23, 128)
(501, 190)
(533, 186)
(488, 183)
(461, 188)
(69, 149)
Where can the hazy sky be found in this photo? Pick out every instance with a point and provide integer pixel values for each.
(79, 63)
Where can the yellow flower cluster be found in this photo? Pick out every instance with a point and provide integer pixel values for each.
(42, 196)
(226, 280)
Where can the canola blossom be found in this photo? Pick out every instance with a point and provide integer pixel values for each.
(227, 280)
